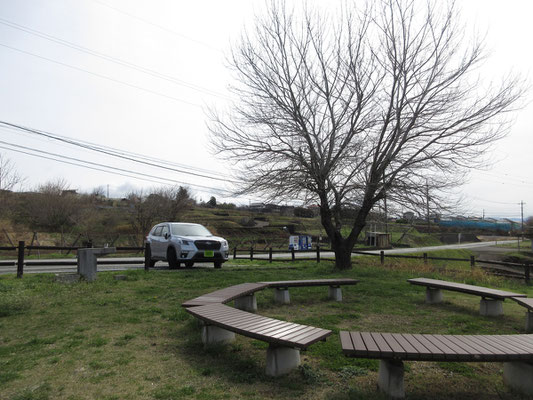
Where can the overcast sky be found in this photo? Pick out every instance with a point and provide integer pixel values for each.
(136, 76)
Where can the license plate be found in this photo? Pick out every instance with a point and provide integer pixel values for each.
(209, 253)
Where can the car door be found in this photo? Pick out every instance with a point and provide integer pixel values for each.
(155, 242)
(164, 240)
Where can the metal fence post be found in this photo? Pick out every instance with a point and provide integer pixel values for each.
(270, 255)
(382, 257)
(472, 261)
(425, 258)
(317, 253)
(235, 253)
(251, 253)
(292, 254)
(20, 262)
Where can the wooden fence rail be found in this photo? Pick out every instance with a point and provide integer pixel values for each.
(252, 253)
(21, 261)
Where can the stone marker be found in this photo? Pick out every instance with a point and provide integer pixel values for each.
(87, 261)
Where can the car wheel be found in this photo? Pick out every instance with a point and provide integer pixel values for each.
(151, 261)
(218, 264)
(172, 258)
(189, 264)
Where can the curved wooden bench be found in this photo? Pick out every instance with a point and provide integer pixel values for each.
(516, 351)
(528, 304)
(285, 339)
(282, 295)
(243, 294)
(491, 303)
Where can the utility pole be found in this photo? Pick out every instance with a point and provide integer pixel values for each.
(483, 218)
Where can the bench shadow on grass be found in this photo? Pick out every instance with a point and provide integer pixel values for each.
(235, 363)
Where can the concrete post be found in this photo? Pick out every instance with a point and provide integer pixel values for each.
(491, 307)
(433, 295)
(246, 303)
(390, 380)
(282, 296)
(87, 261)
(519, 376)
(335, 293)
(281, 360)
(215, 335)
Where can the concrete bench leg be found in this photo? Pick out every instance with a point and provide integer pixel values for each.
(491, 307)
(529, 322)
(335, 293)
(214, 335)
(246, 303)
(281, 360)
(519, 376)
(433, 295)
(390, 380)
(282, 296)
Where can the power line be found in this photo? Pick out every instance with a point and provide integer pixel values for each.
(111, 58)
(101, 76)
(123, 152)
(110, 169)
(104, 151)
(164, 28)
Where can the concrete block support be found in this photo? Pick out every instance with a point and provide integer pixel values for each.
(433, 295)
(86, 259)
(491, 307)
(247, 303)
(281, 360)
(335, 293)
(529, 322)
(282, 296)
(390, 380)
(519, 376)
(212, 335)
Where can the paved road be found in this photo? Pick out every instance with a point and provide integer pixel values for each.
(54, 266)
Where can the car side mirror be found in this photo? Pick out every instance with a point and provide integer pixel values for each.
(167, 235)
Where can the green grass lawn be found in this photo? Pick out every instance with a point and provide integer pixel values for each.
(131, 339)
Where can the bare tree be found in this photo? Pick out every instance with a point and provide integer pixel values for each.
(344, 110)
(161, 204)
(9, 177)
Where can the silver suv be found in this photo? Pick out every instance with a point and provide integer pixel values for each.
(178, 242)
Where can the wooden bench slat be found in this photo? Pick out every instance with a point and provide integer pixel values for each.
(420, 349)
(396, 347)
(408, 347)
(482, 349)
(381, 343)
(505, 346)
(358, 342)
(461, 351)
(346, 341)
(305, 334)
(264, 325)
(371, 346)
(296, 331)
(429, 344)
(313, 337)
(284, 330)
(527, 340)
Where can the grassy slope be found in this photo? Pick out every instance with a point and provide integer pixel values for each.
(131, 340)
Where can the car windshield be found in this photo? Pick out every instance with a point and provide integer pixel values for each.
(190, 230)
